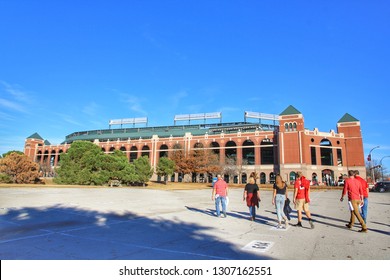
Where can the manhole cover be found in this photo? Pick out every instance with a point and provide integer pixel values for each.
(258, 246)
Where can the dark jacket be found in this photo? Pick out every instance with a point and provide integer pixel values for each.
(287, 209)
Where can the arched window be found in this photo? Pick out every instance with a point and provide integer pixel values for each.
(215, 148)
(263, 178)
(133, 153)
(295, 126)
(267, 151)
(326, 152)
(293, 177)
(145, 151)
(231, 150)
(328, 177)
(248, 152)
(163, 151)
(198, 146)
(52, 157)
(59, 155)
(286, 126)
(243, 178)
(314, 179)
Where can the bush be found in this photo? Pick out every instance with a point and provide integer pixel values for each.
(4, 178)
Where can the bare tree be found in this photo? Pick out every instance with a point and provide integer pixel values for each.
(230, 168)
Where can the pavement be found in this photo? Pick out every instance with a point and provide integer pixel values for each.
(136, 223)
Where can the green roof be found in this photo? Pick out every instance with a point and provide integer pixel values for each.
(290, 110)
(35, 136)
(47, 143)
(165, 131)
(347, 118)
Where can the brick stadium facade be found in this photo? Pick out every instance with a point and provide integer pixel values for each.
(268, 149)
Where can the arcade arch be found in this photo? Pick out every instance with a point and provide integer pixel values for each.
(133, 154)
(267, 151)
(326, 152)
(231, 150)
(248, 152)
(145, 151)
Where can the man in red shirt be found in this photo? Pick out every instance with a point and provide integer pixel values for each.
(302, 198)
(220, 192)
(364, 208)
(354, 189)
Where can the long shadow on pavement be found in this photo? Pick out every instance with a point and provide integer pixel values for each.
(70, 233)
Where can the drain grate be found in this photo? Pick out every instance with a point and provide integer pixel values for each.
(258, 246)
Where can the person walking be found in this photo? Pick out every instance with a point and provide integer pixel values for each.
(353, 188)
(365, 189)
(252, 197)
(219, 194)
(280, 194)
(302, 198)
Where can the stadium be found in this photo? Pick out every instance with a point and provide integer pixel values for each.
(262, 143)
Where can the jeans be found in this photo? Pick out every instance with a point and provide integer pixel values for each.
(252, 211)
(364, 210)
(279, 204)
(220, 200)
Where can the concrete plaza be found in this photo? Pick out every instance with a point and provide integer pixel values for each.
(59, 223)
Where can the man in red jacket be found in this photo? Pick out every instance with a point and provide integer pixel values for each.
(302, 198)
(354, 189)
(364, 208)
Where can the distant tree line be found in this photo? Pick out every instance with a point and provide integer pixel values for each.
(86, 164)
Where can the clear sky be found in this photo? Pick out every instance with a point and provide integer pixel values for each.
(68, 65)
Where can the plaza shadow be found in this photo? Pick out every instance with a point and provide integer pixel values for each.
(71, 233)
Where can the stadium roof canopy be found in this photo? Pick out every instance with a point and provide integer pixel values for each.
(135, 133)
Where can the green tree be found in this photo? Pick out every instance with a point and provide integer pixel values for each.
(143, 169)
(121, 169)
(165, 167)
(14, 151)
(83, 164)
(17, 168)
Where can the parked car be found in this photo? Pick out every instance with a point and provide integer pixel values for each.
(381, 187)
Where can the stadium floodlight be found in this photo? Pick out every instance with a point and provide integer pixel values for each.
(132, 121)
(260, 116)
(198, 116)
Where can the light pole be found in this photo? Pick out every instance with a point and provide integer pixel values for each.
(369, 159)
(380, 163)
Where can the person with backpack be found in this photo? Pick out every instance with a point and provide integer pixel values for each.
(302, 198)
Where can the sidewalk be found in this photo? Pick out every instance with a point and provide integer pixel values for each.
(144, 224)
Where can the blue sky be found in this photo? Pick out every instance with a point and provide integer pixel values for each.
(69, 66)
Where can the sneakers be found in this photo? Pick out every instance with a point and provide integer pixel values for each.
(299, 224)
